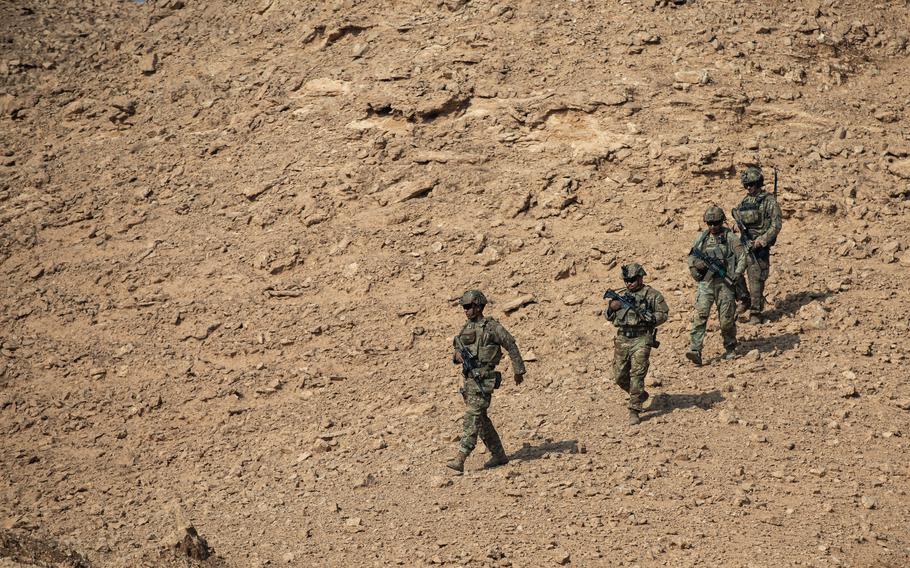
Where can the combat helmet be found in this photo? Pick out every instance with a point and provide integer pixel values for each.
(752, 176)
(714, 214)
(473, 297)
(632, 270)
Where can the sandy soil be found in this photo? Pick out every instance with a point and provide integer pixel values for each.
(232, 236)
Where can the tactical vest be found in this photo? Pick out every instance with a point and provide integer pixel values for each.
(751, 214)
(626, 318)
(479, 341)
(720, 250)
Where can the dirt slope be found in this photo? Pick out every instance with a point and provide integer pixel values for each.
(232, 236)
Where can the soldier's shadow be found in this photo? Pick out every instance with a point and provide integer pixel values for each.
(780, 343)
(664, 403)
(529, 452)
(791, 303)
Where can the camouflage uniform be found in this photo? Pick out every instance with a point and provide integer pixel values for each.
(713, 290)
(635, 336)
(632, 345)
(761, 215)
(485, 339)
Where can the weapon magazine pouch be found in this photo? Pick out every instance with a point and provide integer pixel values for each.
(497, 379)
(749, 216)
(468, 338)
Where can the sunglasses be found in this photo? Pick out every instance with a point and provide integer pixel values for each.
(630, 280)
(714, 223)
(467, 306)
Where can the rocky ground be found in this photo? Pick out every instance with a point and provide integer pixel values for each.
(232, 236)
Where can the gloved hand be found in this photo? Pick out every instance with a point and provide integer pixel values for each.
(615, 305)
(519, 378)
(697, 275)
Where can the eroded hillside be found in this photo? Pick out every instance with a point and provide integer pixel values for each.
(232, 236)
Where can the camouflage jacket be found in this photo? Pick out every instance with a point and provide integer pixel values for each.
(646, 299)
(485, 339)
(760, 213)
(724, 248)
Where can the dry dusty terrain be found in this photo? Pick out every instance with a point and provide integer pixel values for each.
(232, 236)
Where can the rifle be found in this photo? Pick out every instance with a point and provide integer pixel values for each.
(470, 366)
(629, 302)
(745, 236)
(713, 266)
(775, 183)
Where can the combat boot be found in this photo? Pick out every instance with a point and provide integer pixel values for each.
(694, 356)
(458, 463)
(634, 420)
(729, 355)
(499, 458)
(755, 318)
(743, 307)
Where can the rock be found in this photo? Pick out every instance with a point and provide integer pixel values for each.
(411, 189)
(530, 356)
(440, 481)
(514, 205)
(263, 6)
(202, 332)
(847, 390)
(903, 403)
(517, 303)
(124, 107)
(350, 270)
(868, 502)
(273, 387)
(9, 106)
(863, 347)
(573, 300)
(490, 256)
(887, 116)
(326, 87)
(442, 157)
(187, 541)
(900, 168)
(251, 192)
(321, 446)
(700, 77)
(725, 417)
(565, 270)
(148, 63)
(367, 481)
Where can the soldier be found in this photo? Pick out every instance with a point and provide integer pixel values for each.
(635, 335)
(483, 337)
(723, 262)
(760, 214)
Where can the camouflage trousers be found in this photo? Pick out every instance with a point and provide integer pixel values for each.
(631, 359)
(714, 292)
(753, 294)
(476, 421)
